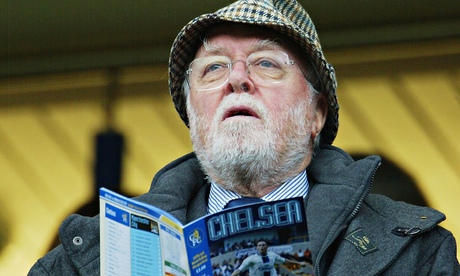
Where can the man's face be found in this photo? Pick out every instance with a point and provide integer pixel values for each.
(249, 132)
(262, 248)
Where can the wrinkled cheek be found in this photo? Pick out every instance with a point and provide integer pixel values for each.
(203, 130)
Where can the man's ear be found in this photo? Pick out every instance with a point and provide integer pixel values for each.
(320, 114)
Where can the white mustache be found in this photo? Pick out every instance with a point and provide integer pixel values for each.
(241, 99)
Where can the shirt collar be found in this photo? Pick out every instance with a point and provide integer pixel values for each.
(295, 187)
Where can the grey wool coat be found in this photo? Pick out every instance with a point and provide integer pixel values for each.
(351, 231)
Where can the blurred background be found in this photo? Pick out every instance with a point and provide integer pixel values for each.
(84, 102)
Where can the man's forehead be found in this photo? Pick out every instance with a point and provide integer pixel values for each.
(215, 46)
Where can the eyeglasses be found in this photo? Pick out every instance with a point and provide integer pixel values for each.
(264, 67)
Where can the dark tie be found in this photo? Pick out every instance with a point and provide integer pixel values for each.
(243, 201)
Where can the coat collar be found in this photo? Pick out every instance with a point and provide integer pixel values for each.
(339, 185)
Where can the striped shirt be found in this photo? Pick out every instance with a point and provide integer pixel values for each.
(295, 187)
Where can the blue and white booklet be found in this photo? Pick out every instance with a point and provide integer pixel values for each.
(140, 239)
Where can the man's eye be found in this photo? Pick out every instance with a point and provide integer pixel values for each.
(214, 67)
(266, 64)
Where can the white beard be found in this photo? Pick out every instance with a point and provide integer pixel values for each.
(241, 155)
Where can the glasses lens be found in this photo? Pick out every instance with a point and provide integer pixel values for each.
(209, 72)
(269, 66)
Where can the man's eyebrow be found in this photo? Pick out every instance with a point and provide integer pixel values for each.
(209, 48)
(267, 44)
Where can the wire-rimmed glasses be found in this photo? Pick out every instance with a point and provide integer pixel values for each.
(263, 67)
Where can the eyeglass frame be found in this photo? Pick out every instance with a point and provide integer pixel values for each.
(229, 65)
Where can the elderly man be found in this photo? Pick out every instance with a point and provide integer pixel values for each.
(253, 85)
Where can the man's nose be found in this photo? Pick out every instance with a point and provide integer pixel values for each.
(239, 79)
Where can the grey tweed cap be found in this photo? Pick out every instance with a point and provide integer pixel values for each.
(287, 17)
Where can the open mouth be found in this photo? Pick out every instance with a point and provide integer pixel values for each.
(240, 111)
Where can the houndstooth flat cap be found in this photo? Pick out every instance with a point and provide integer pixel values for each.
(287, 17)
